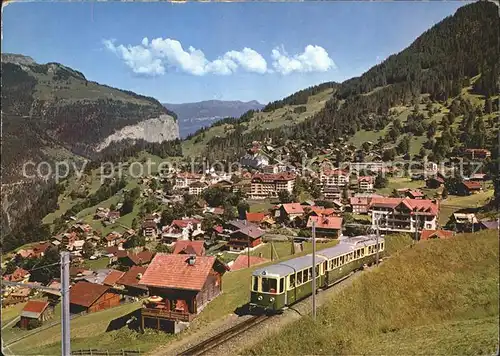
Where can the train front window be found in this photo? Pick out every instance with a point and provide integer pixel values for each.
(255, 284)
(269, 285)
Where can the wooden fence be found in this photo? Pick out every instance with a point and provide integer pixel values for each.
(95, 352)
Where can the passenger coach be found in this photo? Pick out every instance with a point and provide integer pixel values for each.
(278, 286)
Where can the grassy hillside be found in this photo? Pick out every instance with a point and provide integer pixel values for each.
(236, 294)
(439, 297)
(287, 115)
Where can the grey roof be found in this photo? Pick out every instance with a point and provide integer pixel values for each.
(290, 266)
(345, 246)
(349, 244)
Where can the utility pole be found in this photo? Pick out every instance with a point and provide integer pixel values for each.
(66, 348)
(314, 270)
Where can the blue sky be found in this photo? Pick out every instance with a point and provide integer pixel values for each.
(240, 51)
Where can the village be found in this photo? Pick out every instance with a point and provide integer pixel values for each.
(174, 263)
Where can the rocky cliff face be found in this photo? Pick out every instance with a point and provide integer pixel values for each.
(163, 128)
(52, 112)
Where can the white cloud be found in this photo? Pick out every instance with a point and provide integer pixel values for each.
(313, 59)
(156, 56)
(138, 58)
(153, 57)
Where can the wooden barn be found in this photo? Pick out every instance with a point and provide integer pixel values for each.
(248, 236)
(35, 312)
(180, 286)
(90, 297)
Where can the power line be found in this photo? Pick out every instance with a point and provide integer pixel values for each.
(44, 266)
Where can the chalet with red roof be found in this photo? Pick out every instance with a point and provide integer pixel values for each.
(112, 278)
(434, 182)
(182, 229)
(136, 259)
(477, 153)
(435, 234)
(113, 216)
(255, 218)
(360, 205)
(180, 286)
(471, 187)
(19, 275)
(365, 183)
(290, 211)
(113, 239)
(34, 313)
(249, 236)
(404, 214)
(326, 226)
(189, 248)
(149, 229)
(129, 281)
(269, 185)
(90, 297)
(319, 211)
(414, 194)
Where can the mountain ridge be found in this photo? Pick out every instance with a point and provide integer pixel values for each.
(52, 112)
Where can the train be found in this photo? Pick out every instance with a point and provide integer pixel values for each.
(276, 287)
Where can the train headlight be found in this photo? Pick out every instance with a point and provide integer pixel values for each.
(271, 299)
(260, 297)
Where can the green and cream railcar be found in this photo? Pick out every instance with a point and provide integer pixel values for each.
(278, 286)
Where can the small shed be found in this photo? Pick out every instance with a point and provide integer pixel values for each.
(34, 313)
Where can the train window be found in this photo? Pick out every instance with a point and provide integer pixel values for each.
(324, 266)
(362, 252)
(299, 277)
(269, 285)
(310, 273)
(255, 284)
(317, 271)
(282, 285)
(292, 281)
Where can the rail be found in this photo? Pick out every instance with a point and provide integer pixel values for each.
(96, 352)
(224, 336)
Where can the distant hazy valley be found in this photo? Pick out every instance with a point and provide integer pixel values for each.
(193, 116)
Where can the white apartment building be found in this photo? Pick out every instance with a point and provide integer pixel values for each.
(336, 178)
(184, 180)
(269, 185)
(404, 214)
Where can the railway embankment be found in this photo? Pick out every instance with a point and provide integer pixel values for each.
(437, 297)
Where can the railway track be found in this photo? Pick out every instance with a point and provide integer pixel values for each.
(219, 339)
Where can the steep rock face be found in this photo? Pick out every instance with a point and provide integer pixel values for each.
(162, 128)
(51, 112)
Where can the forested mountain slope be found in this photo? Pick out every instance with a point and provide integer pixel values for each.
(51, 112)
(437, 67)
